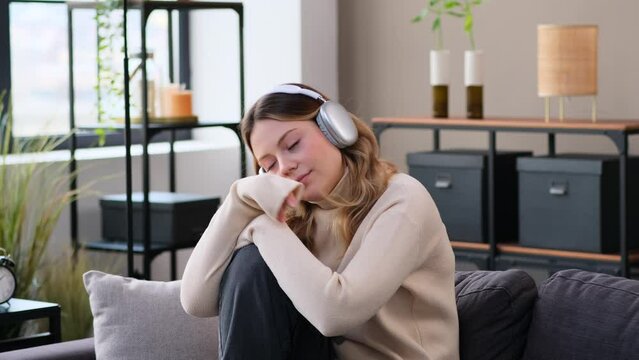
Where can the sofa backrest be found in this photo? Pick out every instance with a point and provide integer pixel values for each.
(585, 315)
(577, 315)
(494, 309)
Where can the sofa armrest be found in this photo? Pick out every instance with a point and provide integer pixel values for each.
(82, 349)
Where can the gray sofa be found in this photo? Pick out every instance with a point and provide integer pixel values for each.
(573, 315)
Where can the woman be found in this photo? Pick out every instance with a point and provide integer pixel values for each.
(340, 245)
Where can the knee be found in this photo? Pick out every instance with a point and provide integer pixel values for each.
(246, 268)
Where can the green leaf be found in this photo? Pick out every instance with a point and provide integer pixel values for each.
(437, 23)
(432, 3)
(468, 23)
(451, 4)
(421, 16)
(455, 14)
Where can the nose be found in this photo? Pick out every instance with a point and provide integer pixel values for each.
(287, 167)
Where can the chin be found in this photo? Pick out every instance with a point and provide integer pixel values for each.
(312, 196)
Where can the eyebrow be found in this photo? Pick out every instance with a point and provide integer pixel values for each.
(278, 142)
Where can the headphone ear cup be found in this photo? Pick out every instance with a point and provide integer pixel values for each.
(321, 122)
(337, 125)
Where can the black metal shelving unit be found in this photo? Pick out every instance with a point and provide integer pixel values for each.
(148, 130)
(494, 255)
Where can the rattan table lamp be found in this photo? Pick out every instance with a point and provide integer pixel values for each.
(567, 64)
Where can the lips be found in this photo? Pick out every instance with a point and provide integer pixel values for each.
(301, 178)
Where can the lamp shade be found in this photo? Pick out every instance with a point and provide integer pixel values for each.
(566, 60)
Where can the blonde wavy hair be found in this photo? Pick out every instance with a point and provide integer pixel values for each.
(367, 174)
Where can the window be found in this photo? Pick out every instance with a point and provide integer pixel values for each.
(39, 75)
(39, 62)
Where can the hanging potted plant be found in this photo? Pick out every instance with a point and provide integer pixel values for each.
(439, 57)
(473, 65)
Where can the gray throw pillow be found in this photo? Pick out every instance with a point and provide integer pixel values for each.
(585, 315)
(494, 310)
(137, 319)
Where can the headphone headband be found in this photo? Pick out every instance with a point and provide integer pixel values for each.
(294, 89)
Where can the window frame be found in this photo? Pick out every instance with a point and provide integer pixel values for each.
(87, 140)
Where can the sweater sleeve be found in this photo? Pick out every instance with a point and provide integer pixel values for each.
(392, 248)
(247, 198)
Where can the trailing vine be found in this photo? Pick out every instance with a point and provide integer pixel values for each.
(110, 52)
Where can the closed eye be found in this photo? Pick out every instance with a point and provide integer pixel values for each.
(270, 167)
(293, 146)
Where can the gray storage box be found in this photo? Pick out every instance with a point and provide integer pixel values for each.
(458, 182)
(571, 202)
(176, 218)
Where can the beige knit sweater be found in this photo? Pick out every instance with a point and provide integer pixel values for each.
(389, 295)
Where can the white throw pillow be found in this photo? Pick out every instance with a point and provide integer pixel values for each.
(138, 319)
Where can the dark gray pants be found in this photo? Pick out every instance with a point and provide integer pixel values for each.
(257, 319)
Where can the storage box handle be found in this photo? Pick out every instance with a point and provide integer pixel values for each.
(443, 181)
(558, 188)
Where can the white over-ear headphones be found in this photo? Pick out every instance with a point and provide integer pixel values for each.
(334, 121)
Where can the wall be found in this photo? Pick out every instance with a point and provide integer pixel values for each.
(383, 63)
(319, 45)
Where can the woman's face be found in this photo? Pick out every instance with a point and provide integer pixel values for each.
(298, 150)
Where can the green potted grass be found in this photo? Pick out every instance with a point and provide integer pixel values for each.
(33, 195)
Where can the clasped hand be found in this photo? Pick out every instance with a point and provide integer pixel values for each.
(290, 202)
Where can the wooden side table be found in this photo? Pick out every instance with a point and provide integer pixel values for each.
(20, 310)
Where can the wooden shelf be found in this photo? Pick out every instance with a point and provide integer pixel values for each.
(618, 131)
(522, 250)
(509, 123)
(469, 245)
(516, 249)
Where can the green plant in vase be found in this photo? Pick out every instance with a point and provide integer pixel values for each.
(439, 57)
(473, 67)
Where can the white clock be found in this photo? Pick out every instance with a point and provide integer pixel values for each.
(7, 279)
